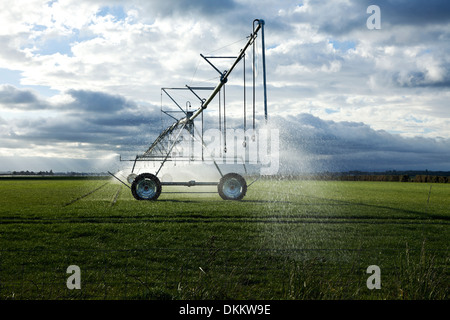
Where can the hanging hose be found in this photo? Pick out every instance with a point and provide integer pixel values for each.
(220, 122)
(203, 131)
(224, 124)
(254, 80)
(244, 143)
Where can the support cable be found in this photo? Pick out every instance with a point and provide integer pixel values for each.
(245, 107)
(220, 122)
(203, 141)
(254, 78)
(224, 123)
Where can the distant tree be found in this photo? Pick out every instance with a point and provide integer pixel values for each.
(443, 179)
(404, 178)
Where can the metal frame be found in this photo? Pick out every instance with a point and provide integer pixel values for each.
(158, 151)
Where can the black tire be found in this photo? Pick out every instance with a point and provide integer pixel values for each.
(146, 186)
(232, 186)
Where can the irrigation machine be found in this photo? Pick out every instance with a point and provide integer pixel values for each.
(146, 185)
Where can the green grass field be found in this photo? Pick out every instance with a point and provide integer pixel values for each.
(285, 240)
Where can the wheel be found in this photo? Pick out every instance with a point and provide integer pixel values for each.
(146, 186)
(232, 186)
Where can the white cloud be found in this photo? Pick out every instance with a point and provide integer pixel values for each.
(321, 59)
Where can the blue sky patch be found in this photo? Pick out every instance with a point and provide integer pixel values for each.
(343, 45)
(330, 111)
(10, 77)
(116, 11)
(55, 45)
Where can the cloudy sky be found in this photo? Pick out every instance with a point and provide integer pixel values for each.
(80, 81)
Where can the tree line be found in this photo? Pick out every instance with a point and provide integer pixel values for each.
(397, 178)
(51, 173)
(389, 176)
(32, 173)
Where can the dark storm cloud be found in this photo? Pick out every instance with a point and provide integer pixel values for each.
(419, 79)
(15, 98)
(99, 102)
(93, 117)
(330, 137)
(412, 12)
(43, 132)
(203, 7)
(106, 132)
(130, 115)
(341, 18)
(337, 146)
(84, 101)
